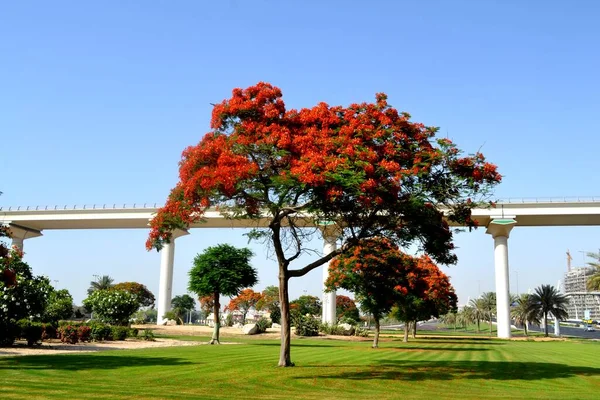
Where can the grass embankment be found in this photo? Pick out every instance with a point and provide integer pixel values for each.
(326, 369)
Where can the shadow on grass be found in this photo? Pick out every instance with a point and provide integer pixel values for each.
(76, 362)
(446, 370)
(450, 341)
(298, 344)
(435, 348)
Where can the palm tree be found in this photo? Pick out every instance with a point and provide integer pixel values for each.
(547, 300)
(593, 282)
(488, 300)
(525, 311)
(478, 311)
(101, 283)
(466, 316)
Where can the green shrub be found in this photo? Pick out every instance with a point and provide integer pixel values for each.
(84, 333)
(229, 320)
(68, 334)
(112, 306)
(49, 331)
(148, 335)
(331, 329)
(263, 324)
(133, 332)
(307, 325)
(30, 331)
(9, 331)
(275, 314)
(100, 332)
(120, 332)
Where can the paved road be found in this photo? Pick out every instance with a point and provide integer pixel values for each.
(568, 331)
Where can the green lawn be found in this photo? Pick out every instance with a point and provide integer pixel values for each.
(326, 369)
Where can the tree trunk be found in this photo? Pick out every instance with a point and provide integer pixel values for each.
(376, 336)
(244, 317)
(405, 340)
(525, 326)
(285, 358)
(478, 326)
(546, 324)
(490, 325)
(414, 329)
(216, 307)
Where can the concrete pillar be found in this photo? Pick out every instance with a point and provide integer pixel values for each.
(165, 284)
(556, 327)
(500, 229)
(17, 242)
(19, 233)
(329, 244)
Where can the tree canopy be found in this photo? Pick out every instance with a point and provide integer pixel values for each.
(366, 168)
(221, 270)
(244, 301)
(144, 295)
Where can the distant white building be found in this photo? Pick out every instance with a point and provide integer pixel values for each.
(581, 301)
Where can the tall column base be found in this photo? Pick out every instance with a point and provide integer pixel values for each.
(165, 285)
(500, 230)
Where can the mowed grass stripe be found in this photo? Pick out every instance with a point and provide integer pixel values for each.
(327, 369)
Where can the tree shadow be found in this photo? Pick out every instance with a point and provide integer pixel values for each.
(451, 341)
(435, 348)
(295, 344)
(449, 370)
(76, 362)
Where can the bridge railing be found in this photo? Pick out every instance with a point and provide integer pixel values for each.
(115, 206)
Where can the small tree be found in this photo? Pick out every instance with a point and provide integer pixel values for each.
(182, 305)
(207, 304)
(113, 306)
(244, 301)
(376, 273)
(221, 270)
(145, 296)
(345, 307)
(525, 311)
(547, 300)
(270, 302)
(428, 293)
(25, 295)
(307, 304)
(488, 304)
(59, 306)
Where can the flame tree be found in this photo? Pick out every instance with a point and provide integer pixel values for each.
(365, 167)
(244, 301)
(428, 294)
(376, 272)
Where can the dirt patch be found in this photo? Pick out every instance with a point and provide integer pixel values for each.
(56, 347)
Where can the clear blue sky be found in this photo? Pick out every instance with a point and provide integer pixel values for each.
(97, 101)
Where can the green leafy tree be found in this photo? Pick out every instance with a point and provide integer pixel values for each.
(221, 270)
(145, 296)
(358, 172)
(181, 305)
(547, 300)
(25, 295)
(101, 283)
(525, 311)
(113, 306)
(59, 306)
(307, 304)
